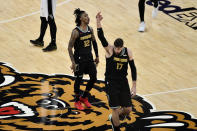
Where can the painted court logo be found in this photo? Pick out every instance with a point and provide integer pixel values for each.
(45, 102)
(188, 16)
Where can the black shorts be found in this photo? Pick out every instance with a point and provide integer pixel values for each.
(85, 68)
(118, 93)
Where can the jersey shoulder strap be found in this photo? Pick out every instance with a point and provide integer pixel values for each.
(126, 52)
(90, 30)
(77, 28)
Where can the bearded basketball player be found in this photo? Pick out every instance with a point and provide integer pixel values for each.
(117, 87)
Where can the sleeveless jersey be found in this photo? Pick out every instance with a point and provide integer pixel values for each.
(83, 46)
(117, 65)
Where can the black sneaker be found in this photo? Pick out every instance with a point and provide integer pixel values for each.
(37, 42)
(122, 117)
(112, 124)
(128, 118)
(50, 47)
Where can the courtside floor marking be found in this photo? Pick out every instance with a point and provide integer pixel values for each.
(20, 17)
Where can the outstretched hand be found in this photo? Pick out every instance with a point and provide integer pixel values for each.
(99, 17)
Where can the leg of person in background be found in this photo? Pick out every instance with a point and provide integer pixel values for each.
(155, 10)
(141, 7)
(43, 27)
(53, 29)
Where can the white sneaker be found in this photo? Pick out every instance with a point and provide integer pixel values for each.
(154, 12)
(142, 27)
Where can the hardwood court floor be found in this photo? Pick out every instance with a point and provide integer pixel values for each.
(165, 57)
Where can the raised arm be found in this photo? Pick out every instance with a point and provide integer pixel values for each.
(95, 46)
(101, 33)
(73, 38)
(133, 71)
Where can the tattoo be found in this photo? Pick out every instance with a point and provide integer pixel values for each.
(73, 38)
(95, 46)
(93, 37)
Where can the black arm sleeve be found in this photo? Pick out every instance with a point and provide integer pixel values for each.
(102, 37)
(133, 70)
(95, 47)
(50, 7)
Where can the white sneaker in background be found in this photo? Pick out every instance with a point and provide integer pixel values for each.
(155, 12)
(142, 27)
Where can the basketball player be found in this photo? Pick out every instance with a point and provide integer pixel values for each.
(47, 13)
(82, 38)
(141, 6)
(117, 87)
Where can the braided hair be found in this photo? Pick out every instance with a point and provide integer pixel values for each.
(78, 14)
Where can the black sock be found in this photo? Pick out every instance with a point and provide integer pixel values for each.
(78, 80)
(116, 128)
(77, 98)
(85, 94)
(43, 28)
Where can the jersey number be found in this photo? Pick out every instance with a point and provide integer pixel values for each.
(119, 66)
(86, 43)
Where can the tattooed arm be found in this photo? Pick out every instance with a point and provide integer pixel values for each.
(95, 46)
(73, 38)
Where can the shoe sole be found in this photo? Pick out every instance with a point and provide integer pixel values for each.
(36, 44)
(48, 50)
(85, 104)
(79, 109)
(142, 30)
(88, 106)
